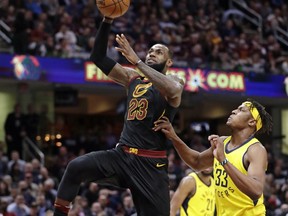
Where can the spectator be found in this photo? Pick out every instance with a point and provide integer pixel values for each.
(34, 6)
(62, 159)
(32, 122)
(16, 173)
(66, 33)
(91, 193)
(15, 158)
(83, 203)
(44, 175)
(34, 209)
(36, 168)
(96, 209)
(21, 32)
(128, 205)
(25, 190)
(254, 64)
(8, 180)
(3, 163)
(36, 40)
(18, 207)
(51, 7)
(42, 205)
(14, 130)
(49, 192)
(229, 30)
(104, 201)
(49, 46)
(32, 187)
(4, 189)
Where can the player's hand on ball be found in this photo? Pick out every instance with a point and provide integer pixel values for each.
(126, 49)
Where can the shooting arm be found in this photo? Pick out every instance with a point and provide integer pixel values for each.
(111, 68)
(169, 86)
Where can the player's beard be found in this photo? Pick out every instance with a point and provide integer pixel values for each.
(158, 67)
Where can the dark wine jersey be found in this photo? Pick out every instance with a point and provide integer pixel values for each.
(145, 105)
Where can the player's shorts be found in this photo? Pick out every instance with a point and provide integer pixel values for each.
(146, 177)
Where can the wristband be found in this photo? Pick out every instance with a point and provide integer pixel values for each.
(138, 62)
(108, 20)
(225, 161)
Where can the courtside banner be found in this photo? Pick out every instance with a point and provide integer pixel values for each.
(78, 71)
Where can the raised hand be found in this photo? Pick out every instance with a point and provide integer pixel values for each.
(126, 49)
(218, 147)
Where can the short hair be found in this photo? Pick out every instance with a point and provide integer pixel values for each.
(267, 122)
(170, 52)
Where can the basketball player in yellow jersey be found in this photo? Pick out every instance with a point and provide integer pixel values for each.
(239, 160)
(195, 195)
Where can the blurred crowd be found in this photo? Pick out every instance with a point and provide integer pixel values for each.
(29, 187)
(201, 33)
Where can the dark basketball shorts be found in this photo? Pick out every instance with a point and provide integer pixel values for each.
(146, 178)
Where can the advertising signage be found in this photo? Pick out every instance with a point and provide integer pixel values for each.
(76, 71)
(199, 80)
(195, 80)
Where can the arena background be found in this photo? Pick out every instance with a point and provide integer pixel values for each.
(226, 51)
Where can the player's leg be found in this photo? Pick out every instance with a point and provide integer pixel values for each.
(90, 167)
(150, 187)
(156, 207)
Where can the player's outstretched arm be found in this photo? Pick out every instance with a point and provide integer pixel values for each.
(194, 159)
(108, 66)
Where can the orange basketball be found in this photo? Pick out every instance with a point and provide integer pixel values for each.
(113, 8)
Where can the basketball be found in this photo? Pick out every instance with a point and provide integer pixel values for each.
(113, 8)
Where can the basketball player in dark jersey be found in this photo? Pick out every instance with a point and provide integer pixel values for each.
(138, 162)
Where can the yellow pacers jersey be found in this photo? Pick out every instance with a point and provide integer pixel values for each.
(229, 199)
(202, 203)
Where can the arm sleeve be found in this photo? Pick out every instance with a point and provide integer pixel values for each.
(98, 55)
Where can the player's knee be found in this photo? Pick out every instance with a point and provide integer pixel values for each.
(75, 166)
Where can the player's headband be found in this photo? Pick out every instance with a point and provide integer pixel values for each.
(255, 113)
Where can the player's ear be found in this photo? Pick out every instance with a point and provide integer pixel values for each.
(169, 62)
(252, 122)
